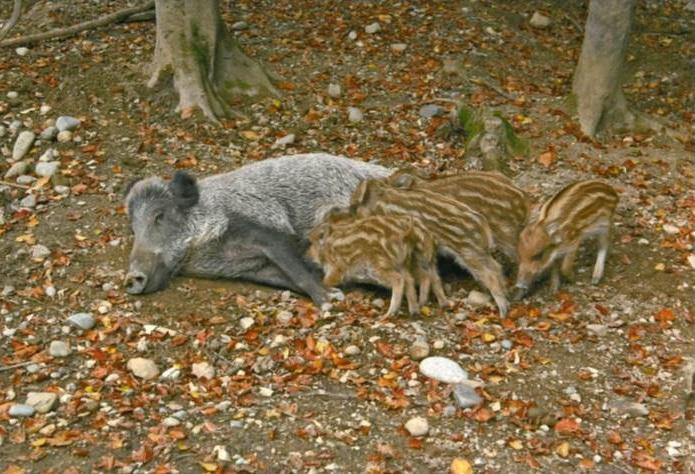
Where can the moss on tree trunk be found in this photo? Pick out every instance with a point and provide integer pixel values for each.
(208, 66)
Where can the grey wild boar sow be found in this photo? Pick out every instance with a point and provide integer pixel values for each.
(556, 229)
(249, 224)
(458, 231)
(504, 206)
(392, 251)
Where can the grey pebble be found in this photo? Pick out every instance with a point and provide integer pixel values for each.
(355, 114)
(17, 169)
(20, 410)
(65, 122)
(47, 169)
(23, 144)
(82, 320)
(430, 110)
(29, 201)
(59, 349)
(48, 133)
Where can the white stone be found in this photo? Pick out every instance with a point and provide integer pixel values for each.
(42, 402)
(670, 229)
(22, 51)
(19, 410)
(265, 391)
(172, 373)
(465, 396)
(691, 261)
(598, 329)
(334, 90)
(23, 144)
(44, 109)
(443, 369)
(372, 28)
(352, 35)
(420, 349)
(284, 141)
(25, 179)
(221, 453)
(476, 298)
(246, 322)
(82, 320)
(171, 421)
(66, 122)
(39, 252)
(203, 370)
(48, 133)
(64, 136)
(538, 20)
(355, 114)
(352, 350)
(29, 201)
(46, 169)
(17, 169)
(398, 47)
(284, 317)
(143, 368)
(59, 349)
(12, 95)
(417, 426)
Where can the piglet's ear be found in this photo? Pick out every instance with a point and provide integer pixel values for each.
(185, 190)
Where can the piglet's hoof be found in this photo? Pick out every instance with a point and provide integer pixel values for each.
(335, 294)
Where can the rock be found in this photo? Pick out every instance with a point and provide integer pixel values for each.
(398, 47)
(239, 25)
(66, 122)
(598, 329)
(691, 261)
(420, 349)
(15, 125)
(44, 109)
(334, 90)
(443, 369)
(690, 6)
(64, 136)
(670, 229)
(61, 189)
(246, 322)
(221, 453)
(477, 298)
(25, 179)
(8, 290)
(59, 349)
(352, 350)
(19, 410)
(284, 317)
(23, 144)
(172, 373)
(284, 141)
(17, 169)
(83, 321)
(465, 396)
(28, 202)
(506, 344)
(12, 95)
(143, 368)
(46, 169)
(42, 402)
(372, 28)
(203, 370)
(47, 155)
(39, 252)
(265, 391)
(171, 421)
(22, 51)
(352, 35)
(460, 466)
(538, 20)
(355, 114)
(417, 426)
(624, 407)
(430, 110)
(48, 133)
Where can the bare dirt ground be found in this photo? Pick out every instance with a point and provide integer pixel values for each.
(300, 391)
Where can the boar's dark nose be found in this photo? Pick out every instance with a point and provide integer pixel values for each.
(135, 282)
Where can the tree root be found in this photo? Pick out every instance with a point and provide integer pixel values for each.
(115, 17)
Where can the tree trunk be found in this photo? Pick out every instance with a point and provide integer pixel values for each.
(208, 65)
(597, 79)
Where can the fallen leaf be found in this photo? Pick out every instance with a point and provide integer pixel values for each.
(567, 425)
(547, 158)
(563, 449)
(461, 466)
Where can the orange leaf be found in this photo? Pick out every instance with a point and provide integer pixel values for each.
(567, 425)
(665, 315)
(482, 415)
(13, 469)
(547, 158)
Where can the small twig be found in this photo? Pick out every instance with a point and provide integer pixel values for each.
(493, 87)
(14, 18)
(73, 30)
(14, 185)
(15, 366)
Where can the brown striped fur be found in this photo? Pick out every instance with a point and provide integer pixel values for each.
(393, 251)
(505, 207)
(559, 225)
(457, 230)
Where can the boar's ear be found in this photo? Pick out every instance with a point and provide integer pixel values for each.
(185, 190)
(130, 185)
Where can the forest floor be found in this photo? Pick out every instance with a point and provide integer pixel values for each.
(591, 379)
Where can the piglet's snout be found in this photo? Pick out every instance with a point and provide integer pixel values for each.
(135, 282)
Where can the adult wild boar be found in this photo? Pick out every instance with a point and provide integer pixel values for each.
(251, 223)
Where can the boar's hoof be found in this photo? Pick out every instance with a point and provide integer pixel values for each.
(135, 283)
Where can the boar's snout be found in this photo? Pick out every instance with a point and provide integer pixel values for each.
(135, 282)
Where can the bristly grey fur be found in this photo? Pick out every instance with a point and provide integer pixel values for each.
(218, 236)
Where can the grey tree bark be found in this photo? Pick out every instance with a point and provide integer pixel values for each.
(208, 66)
(597, 78)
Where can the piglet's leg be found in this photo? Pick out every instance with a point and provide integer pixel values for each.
(603, 243)
(411, 294)
(555, 276)
(397, 286)
(488, 272)
(425, 282)
(438, 289)
(567, 268)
